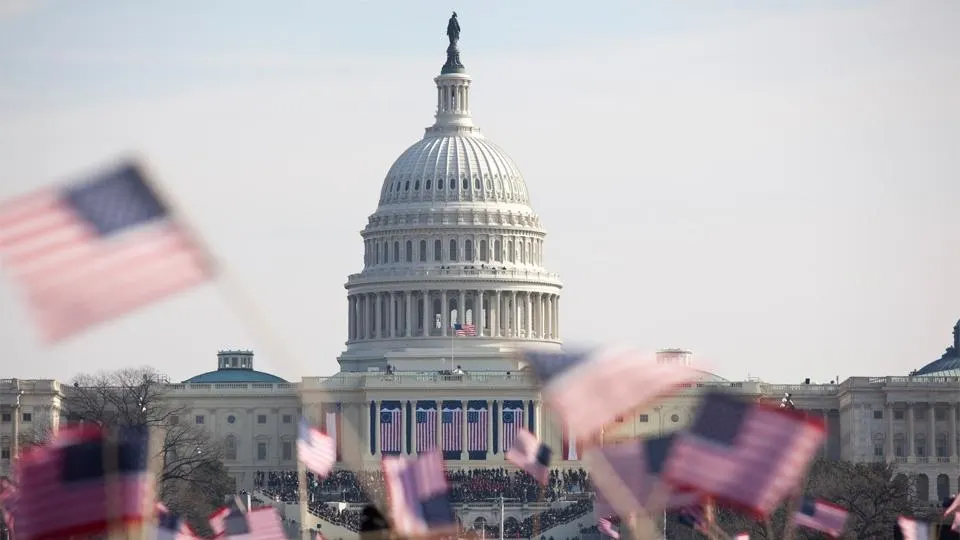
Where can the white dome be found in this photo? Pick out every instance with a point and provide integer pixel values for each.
(454, 167)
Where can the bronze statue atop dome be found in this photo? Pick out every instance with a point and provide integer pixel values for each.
(453, 29)
(453, 64)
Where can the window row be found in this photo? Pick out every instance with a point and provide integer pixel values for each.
(8, 417)
(262, 449)
(510, 186)
(200, 419)
(529, 251)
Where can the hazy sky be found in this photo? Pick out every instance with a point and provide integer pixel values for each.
(773, 188)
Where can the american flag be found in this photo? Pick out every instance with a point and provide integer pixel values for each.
(391, 427)
(426, 430)
(531, 455)
(315, 450)
(418, 495)
(66, 479)
(170, 526)
(695, 517)
(451, 421)
(464, 329)
(258, 524)
(913, 529)
(748, 454)
(639, 463)
(605, 526)
(821, 516)
(477, 430)
(512, 423)
(96, 250)
(572, 382)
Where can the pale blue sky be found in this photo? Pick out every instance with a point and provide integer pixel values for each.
(773, 188)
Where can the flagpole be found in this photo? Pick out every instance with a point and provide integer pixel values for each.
(239, 299)
(304, 499)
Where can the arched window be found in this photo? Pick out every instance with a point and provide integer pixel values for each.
(437, 250)
(377, 247)
(923, 488)
(483, 250)
(396, 251)
(230, 447)
(416, 185)
(510, 252)
(943, 487)
(497, 251)
(423, 251)
(409, 251)
(439, 183)
(468, 250)
(453, 250)
(476, 184)
(942, 445)
(465, 184)
(406, 186)
(428, 185)
(529, 259)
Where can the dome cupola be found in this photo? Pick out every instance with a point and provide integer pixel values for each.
(454, 249)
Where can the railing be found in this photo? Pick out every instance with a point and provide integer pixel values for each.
(457, 271)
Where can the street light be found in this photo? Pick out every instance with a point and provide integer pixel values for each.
(502, 516)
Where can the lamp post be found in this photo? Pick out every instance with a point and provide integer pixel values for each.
(18, 392)
(503, 518)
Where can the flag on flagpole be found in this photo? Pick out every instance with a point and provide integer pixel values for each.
(418, 495)
(531, 455)
(572, 382)
(170, 526)
(315, 450)
(95, 250)
(68, 479)
(258, 524)
(821, 516)
(462, 330)
(750, 455)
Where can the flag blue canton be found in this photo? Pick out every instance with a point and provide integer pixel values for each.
(655, 453)
(473, 417)
(85, 461)
(544, 454)
(437, 510)
(808, 506)
(386, 418)
(446, 417)
(720, 418)
(507, 417)
(549, 365)
(116, 201)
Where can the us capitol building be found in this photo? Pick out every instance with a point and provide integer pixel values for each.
(452, 282)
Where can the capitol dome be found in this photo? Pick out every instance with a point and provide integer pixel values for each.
(454, 254)
(947, 365)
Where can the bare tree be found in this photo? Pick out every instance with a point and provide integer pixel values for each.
(192, 479)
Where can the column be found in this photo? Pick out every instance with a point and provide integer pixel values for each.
(349, 318)
(556, 320)
(932, 432)
(548, 327)
(528, 316)
(376, 429)
(952, 443)
(392, 316)
(538, 419)
(408, 320)
(495, 314)
(490, 427)
(542, 312)
(426, 313)
(463, 430)
(891, 454)
(911, 436)
(514, 315)
(444, 313)
(462, 307)
(378, 311)
(479, 315)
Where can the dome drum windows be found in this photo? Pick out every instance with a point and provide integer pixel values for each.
(409, 254)
(423, 248)
(437, 250)
(453, 250)
(468, 251)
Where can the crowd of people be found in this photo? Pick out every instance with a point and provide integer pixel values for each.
(466, 486)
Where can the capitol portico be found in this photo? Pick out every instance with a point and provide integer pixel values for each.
(453, 280)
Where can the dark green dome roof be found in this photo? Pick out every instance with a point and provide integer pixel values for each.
(234, 366)
(947, 365)
(234, 375)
